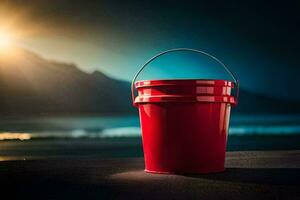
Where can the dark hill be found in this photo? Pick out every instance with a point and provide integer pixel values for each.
(253, 103)
(30, 84)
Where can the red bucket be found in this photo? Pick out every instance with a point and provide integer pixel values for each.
(184, 122)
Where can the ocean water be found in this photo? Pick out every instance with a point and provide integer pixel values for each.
(128, 126)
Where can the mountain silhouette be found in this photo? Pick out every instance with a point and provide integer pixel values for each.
(30, 84)
(254, 103)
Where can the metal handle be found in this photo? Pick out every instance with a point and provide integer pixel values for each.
(184, 49)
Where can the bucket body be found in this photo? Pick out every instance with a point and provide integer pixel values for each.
(184, 124)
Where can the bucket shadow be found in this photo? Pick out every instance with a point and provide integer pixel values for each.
(261, 176)
(273, 176)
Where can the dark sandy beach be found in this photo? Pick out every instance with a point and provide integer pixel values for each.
(248, 175)
(257, 167)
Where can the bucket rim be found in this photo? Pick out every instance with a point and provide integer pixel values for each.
(191, 82)
(185, 99)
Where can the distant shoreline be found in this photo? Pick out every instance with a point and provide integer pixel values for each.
(125, 147)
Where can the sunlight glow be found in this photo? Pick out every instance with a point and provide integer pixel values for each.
(6, 40)
(15, 136)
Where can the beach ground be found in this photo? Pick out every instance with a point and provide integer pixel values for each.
(257, 167)
(249, 175)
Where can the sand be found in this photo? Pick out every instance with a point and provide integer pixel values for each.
(249, 175)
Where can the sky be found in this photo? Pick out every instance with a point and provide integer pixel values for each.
(258, 41)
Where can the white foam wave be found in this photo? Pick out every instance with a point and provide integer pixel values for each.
(121, 132)
(265, 130)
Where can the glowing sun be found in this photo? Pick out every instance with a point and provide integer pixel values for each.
(6, 40)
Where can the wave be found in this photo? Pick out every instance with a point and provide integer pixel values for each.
(127, 132)
(265, 130)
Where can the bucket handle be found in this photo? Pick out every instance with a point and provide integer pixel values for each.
(185, 49)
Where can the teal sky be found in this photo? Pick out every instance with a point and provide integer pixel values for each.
(257, 41)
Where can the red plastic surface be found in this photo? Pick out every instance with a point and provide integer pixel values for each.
(184, 91)
(177, 82)
(184, 136)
